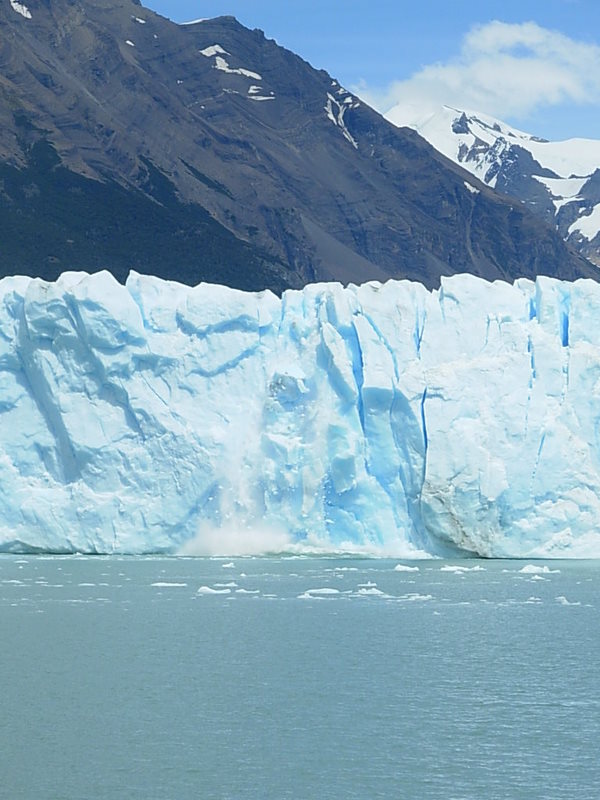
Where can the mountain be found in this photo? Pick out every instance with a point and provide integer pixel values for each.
(375, 419)
(208, 152)
(558, 181)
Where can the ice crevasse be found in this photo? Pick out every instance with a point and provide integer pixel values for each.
(154, 417)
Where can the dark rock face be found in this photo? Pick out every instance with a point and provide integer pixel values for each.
(208, 152)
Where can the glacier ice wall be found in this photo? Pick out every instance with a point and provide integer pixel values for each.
(160, 418)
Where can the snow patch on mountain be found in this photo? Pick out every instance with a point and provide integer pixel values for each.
(335, 111)
(588, 225)
(217, 52)
(257, 93)
(214, 50)
(222, 64)
(21, 9)
(562, 190)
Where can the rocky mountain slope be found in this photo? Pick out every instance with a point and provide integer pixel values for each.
(208, 152)
(559, 181)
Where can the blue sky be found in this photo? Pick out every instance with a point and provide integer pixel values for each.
(539, 69)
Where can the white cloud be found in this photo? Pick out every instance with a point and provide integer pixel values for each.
(502, 69)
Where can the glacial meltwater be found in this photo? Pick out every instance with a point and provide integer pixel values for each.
(270, 678)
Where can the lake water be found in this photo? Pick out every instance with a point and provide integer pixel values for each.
(270, 678)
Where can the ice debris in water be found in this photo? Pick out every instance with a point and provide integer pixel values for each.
(562, 600)
(385, 419)
(537, 569)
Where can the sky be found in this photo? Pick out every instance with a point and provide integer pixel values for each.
(532, 63)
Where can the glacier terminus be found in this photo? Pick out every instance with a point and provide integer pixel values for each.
(384, 419)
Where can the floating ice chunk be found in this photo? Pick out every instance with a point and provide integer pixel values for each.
(537, 569)
(405, 568)
(416, 597)
(209, 590)
(167, 585)
(461, 570)
(129, 42)
(318, 594)
(562, 600)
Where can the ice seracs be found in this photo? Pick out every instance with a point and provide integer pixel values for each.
(386, 419)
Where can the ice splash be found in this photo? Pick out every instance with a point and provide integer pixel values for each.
(234, 540)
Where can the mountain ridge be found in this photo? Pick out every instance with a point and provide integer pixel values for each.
(267, 172)
(559, 181)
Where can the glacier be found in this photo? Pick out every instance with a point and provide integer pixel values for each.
(384, 419)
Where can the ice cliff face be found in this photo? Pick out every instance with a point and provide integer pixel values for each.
(154, 417)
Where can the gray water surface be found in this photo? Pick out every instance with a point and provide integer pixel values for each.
(298, 678)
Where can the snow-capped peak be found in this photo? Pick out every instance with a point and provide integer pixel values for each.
(558, 180)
